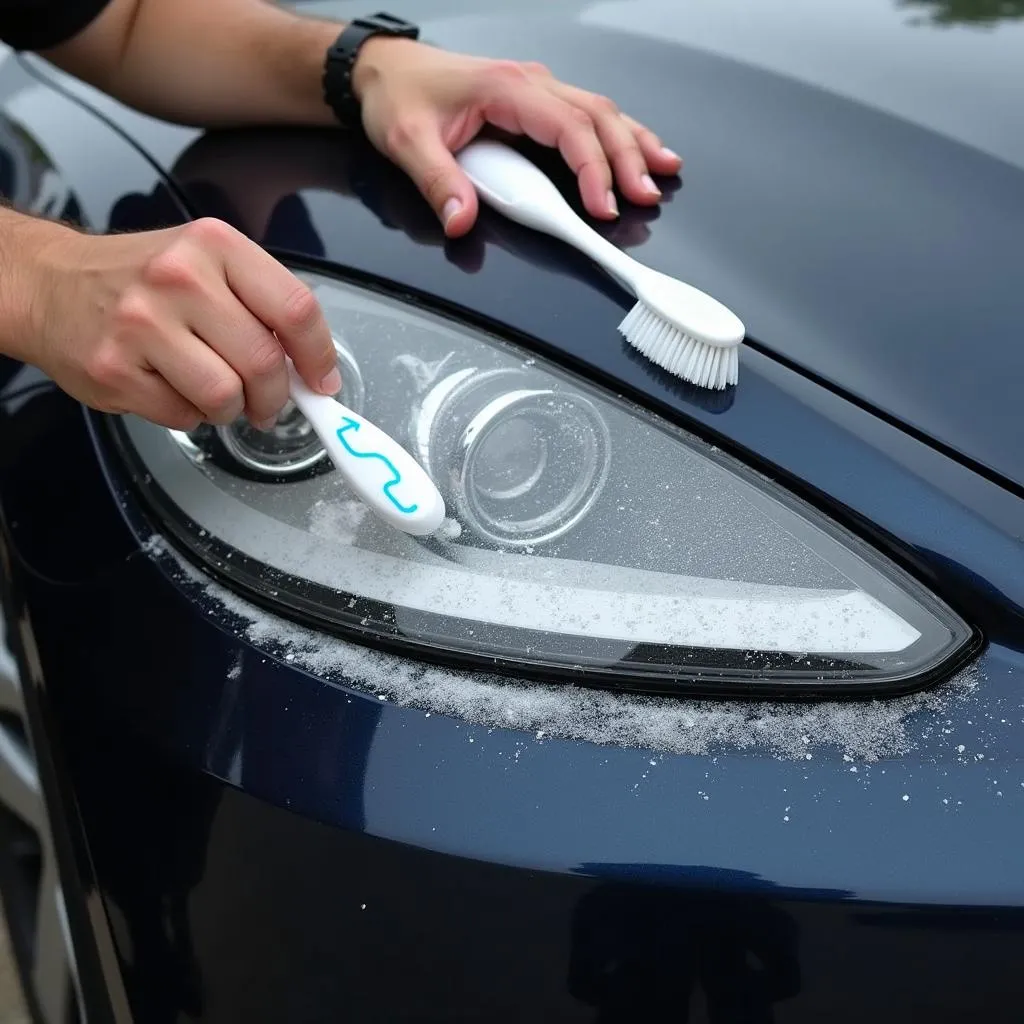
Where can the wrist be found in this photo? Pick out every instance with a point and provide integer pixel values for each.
(375, 57)
(33, 250)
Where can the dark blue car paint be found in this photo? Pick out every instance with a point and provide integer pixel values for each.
(496, 888)
(362, 861)
(876, 253)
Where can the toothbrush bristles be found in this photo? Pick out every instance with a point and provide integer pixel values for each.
(707, 366)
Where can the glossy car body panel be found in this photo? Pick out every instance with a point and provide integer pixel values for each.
(501, 876)
(863, 223)
(269, 846)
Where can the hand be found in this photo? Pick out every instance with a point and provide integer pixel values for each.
(180, 326)
(420, 105)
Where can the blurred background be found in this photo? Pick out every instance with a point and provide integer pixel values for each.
(12, 1007)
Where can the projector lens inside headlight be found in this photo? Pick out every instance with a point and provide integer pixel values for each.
(290, 448)
(520, 464)
(599, 542)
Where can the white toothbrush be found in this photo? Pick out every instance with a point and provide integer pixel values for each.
(380, 471)
(674, 324)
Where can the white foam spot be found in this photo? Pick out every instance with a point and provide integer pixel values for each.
(154, 545)
(449, 530)
(337, 521)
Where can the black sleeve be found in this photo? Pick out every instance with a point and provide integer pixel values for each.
(40, 24)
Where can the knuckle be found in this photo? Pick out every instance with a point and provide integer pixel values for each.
(222, 398)
(135, 311)
(534, 67)
(172, 268)
(502, 74)
(605, 106)
(209, 231)
(105, 366)
(626, 150)
(301, 309)
(510, 69)
(580, 119)
(265, 359)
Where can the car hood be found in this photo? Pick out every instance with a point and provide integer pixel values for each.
(853, 187)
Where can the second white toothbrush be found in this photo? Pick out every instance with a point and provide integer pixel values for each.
(675, 325)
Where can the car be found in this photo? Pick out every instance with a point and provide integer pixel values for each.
(714, 710)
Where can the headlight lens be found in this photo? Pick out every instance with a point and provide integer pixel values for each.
(598, 541)
(522, 464)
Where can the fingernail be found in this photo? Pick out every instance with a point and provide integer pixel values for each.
(669, 155)
(331, 384)
(613, 207)
(266, 424)
(451, 208)
(648, 183)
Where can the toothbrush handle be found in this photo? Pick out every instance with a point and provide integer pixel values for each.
(377, 468)
(521, 191)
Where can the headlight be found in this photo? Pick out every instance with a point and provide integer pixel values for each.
(598, 541)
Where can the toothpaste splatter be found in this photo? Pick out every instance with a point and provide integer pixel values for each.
(862, 730)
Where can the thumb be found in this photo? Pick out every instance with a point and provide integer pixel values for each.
(423, 155)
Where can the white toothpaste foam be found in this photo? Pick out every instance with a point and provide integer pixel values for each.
(865, 730)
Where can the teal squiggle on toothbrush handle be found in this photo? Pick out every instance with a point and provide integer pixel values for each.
(349, 424)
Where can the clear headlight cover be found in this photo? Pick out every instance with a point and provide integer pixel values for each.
(599, 543)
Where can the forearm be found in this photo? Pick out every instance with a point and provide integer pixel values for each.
(25, 243)
(203, 63)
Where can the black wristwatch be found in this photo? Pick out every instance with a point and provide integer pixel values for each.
(341, 58)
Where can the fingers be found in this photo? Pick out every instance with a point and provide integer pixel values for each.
(198, 374)
(415, 144)
(116, 381)
(436, 103)
(246, 346)
(597, 141)
(153, 398)
(216, 316)
(660, 159)
(280, 301)
(527, 107)
(620, 137)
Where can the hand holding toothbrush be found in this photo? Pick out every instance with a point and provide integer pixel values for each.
(421, 104)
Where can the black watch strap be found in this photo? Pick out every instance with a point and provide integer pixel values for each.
(341, 58)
